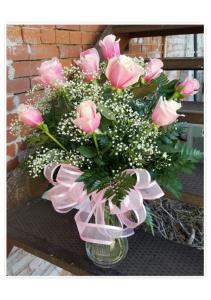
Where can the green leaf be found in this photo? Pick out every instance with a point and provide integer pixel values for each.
(99, 162)
(88, 152)
(105, 124)
(106, 112)
(95, 179)
(189, 153)
(149, 219)
(145, 89)
(170, 182)
(120, 188)
(40, 139)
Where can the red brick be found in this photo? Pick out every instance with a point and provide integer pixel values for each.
(11, 150)
(70, 51)
(40, 26)
(26, 68)
(31, 35)
(12, 164)
(10, 119)
(43, 51)
(66, 62)
(75, 37)
(89, 38)
(69, 27)
(48, 36)
(10, 137)
(92, 28)
(10, 104)
(62, 37)
(18, 85)
(22, 98)
(34, 82)
(19, 52)
(14, 34)
(85, 47)
(21, 146)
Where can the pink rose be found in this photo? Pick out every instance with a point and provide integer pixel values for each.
(153, 69)
(29, 115)
(165, 112)
(89, 63)
(51, 73)
(87, 119)
(110, 47)
(122, 71)
(190, 87)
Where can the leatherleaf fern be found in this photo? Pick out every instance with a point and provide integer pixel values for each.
(183, 159)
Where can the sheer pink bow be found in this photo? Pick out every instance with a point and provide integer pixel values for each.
(68, 194)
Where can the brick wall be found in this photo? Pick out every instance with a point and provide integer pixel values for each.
(147, 47)
(27, 47)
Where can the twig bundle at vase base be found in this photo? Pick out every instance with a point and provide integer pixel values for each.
(106, 136)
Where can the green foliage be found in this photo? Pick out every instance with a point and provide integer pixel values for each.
(144, 90)
(106, 112)
(170, 182)
(95, 179)
(120, 188)
(38, 139)
(188, 153)
(87, 151)
(149, 219)
(168, 89)
(183, 160)
(144, 106)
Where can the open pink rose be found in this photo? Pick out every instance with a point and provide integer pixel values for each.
(87, 119)
(110, 47)
(122, 71)
(29, 115)
(51, 73)
(153, 69)
(89, 63)
(165, 112)
(190, 87)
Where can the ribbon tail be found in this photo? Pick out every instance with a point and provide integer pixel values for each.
(95, 232)
(152, 192)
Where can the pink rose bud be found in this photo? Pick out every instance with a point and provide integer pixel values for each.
(190, 87)
(29, 115)
(165, 112)
(110, 47)
(51, 73)
(89, 63)
(153, 69)
(87, 119)
(122, 71)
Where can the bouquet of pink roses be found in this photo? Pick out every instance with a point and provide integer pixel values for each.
(107, 138)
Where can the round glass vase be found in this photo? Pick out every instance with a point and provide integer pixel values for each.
(108, 256)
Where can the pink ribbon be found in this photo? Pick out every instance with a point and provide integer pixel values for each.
(68, 194)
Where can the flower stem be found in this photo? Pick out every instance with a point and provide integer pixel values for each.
(44, 128)
(55, 140)
(96, 145)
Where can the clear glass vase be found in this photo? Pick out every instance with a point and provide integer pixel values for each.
(107, 256)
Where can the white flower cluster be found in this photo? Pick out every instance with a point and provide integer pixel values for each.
(67, 128)
(44, 156)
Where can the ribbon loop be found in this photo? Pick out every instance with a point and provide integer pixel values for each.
(67, 194)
